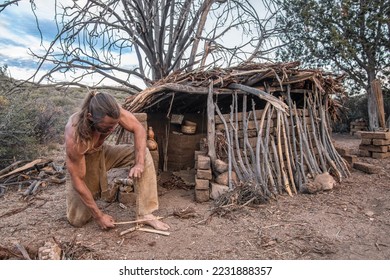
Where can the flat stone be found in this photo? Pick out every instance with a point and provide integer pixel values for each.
(343, 151)
(367, 141)
(380, 155)
(381, 142)
(203, 162)
(373, 148)
(204, 174)
(202, 184)
(364, 153)
(202, 195)
(367, 167)
(375, 134)
(350, 158)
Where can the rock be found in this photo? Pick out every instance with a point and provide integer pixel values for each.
(221, 166)
(369, 213)
(202, 195)
(204, 174)
(223, 179)
(203, 162)
(201, 184)
(322, 182)
(49, 251)
(217, 190)
(325, 180)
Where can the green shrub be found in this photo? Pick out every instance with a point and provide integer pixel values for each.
(30, 121)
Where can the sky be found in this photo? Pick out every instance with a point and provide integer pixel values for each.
(19, 35)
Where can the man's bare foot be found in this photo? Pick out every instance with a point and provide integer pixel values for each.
(152, 221)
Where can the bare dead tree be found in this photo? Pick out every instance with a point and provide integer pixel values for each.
(98, 37)
(8, 3)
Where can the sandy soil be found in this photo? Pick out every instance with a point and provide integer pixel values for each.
(352, 221)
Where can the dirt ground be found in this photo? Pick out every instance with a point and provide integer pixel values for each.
(350, 222)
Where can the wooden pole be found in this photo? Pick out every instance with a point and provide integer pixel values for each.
(211, 125)
(377, 90)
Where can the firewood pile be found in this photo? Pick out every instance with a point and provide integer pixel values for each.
(30, 177)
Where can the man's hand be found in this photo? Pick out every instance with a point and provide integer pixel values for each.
(105, 221)
(136, 171)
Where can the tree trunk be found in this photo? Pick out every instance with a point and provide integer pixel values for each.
(377, 90)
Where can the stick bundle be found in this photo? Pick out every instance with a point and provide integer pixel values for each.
(273, 151)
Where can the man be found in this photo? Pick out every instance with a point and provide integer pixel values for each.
(88, 159)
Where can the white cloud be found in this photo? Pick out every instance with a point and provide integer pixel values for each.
(44, 9)
(16, 37)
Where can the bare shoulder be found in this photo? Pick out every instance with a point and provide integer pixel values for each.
(72, 147)
(124, 113)
(128, 121)
(70, 128)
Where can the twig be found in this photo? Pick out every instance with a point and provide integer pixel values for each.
(166, 233)
(137, 221)
(140, 228)
(128, 230)
(23, 250)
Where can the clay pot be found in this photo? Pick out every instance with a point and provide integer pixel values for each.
(150, 133)
(151, 143)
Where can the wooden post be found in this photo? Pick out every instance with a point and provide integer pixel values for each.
(377, 91)
(211, 126)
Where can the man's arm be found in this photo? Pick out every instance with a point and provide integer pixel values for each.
(129, 122)
(75, 162)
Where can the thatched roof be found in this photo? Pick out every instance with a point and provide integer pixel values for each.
(270, 78)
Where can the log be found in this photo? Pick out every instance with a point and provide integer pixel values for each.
(27, 167)
(11, 167)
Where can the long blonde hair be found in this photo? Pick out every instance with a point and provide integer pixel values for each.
(99, 105)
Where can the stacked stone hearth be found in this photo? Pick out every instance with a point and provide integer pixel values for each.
(203, 174)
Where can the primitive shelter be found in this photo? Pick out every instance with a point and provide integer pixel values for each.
(269, 124)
